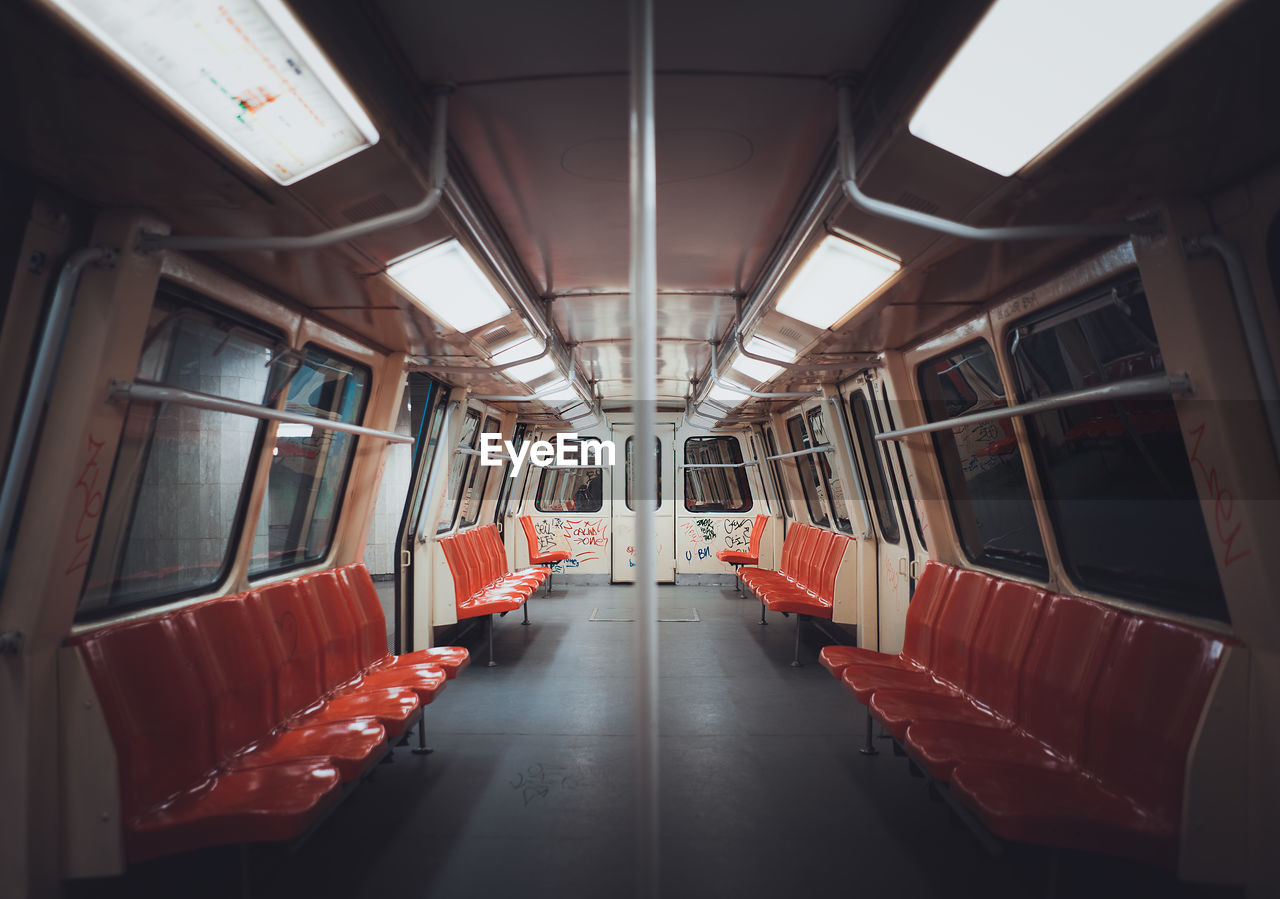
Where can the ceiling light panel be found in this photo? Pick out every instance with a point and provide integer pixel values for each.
(762, 371)
(1033, 71)
(447, 283)
(836, 279)
(245, 72)
(529, 371)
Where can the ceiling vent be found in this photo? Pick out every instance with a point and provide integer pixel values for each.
(917, 202)
(371, 207)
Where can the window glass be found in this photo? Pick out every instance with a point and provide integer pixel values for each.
(775, 470)
(474, 495)
(504, 491)
(864, 435)
(830, 478)
(309, 464)
(176, 500)
(715, 489)
(435, 405)
(809, 482)
(572, 488)
(657, 451)
(981, 464)
(910, 501)
(458, 466)
(1116, 475)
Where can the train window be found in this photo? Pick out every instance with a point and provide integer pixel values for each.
(830, 477)
(572, 488)
(309, 465)
(433, 403)
(504, 491)
(657, 448)
(775, 470)
(471, 500)
(458, 467)
(981, 464)
(864, 436)
(1117, 480)
(181, 477)
(902, 467)
(715, 489)
(809, 483)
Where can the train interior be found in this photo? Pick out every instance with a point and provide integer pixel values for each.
(329, 368)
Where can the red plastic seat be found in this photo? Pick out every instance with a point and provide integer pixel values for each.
(1124, 795)
(221, 638)
(372, 628)
(174, 796)
(304, 676)
(949, 671)
(917, 644)
(990, 685)
(537, 556)
(1061, 667)
(751, 556)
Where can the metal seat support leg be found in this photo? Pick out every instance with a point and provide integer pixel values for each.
(795, 661)
(762, 608)
(423, 748)
(492, 663)
(868, 748)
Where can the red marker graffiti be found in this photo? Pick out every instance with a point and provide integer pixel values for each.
(1224, 504)
(90, 507)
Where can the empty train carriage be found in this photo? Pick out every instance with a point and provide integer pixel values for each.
(335, 340)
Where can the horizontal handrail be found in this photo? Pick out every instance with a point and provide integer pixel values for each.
(717, 464)
(146, 392)
(1177, 385)
(824, 448)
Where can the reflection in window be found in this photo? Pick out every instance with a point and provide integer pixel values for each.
(809, 480)
(864, 436)
(433, 403)
(775, 469)
(1116, 476)
(830, 478)
(910, 502)
(504, 491)
(657, 451)
(458, 467)
(572, 488)
(981, 463)
(472, 498)
(309, 464)
(715, 489)
(181, 477)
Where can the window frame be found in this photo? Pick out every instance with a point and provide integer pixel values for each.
(720, 477)
(809, 494)
(827, 471)
(469, 491)
(473, 414)
(877, 479)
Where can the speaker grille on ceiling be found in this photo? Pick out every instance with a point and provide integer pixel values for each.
(788, 331)
(917, 202)
(368, 208)
(496, 337)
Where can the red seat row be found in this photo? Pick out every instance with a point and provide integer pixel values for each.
(238, 720)
(483, 583)
(1057, 720)
(805, 581)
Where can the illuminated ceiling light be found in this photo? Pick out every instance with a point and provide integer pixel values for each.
(564, 395)
(726, 397)
(245, 73)
(1032, 72)
(762, 371)
(447, 283)
(836, 279)
(529, 371)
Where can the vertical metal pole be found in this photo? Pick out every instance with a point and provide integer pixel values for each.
(644, 354)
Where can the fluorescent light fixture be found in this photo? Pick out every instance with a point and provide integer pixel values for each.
(529, 371)
(762, 371)
(1032, 71)
(565, 394)
(244, 72)
(294, 430)
(836, 279)
(726, 397)
(447, 283)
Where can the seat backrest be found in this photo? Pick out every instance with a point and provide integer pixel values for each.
(1000, 645)
(469, 552)
(1148, 702)
(811, 567)
(957, 623)
(462, 578)
(530, 536)
(236, 670)
(1061, 670)
(156, 708)
(366, 608)
(804, 536)
(757, 534)
(293, 645)
(825, 582)
(497, 551)
(323, 596)
(922, 612)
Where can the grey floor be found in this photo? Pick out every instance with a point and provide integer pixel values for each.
(530, 790)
